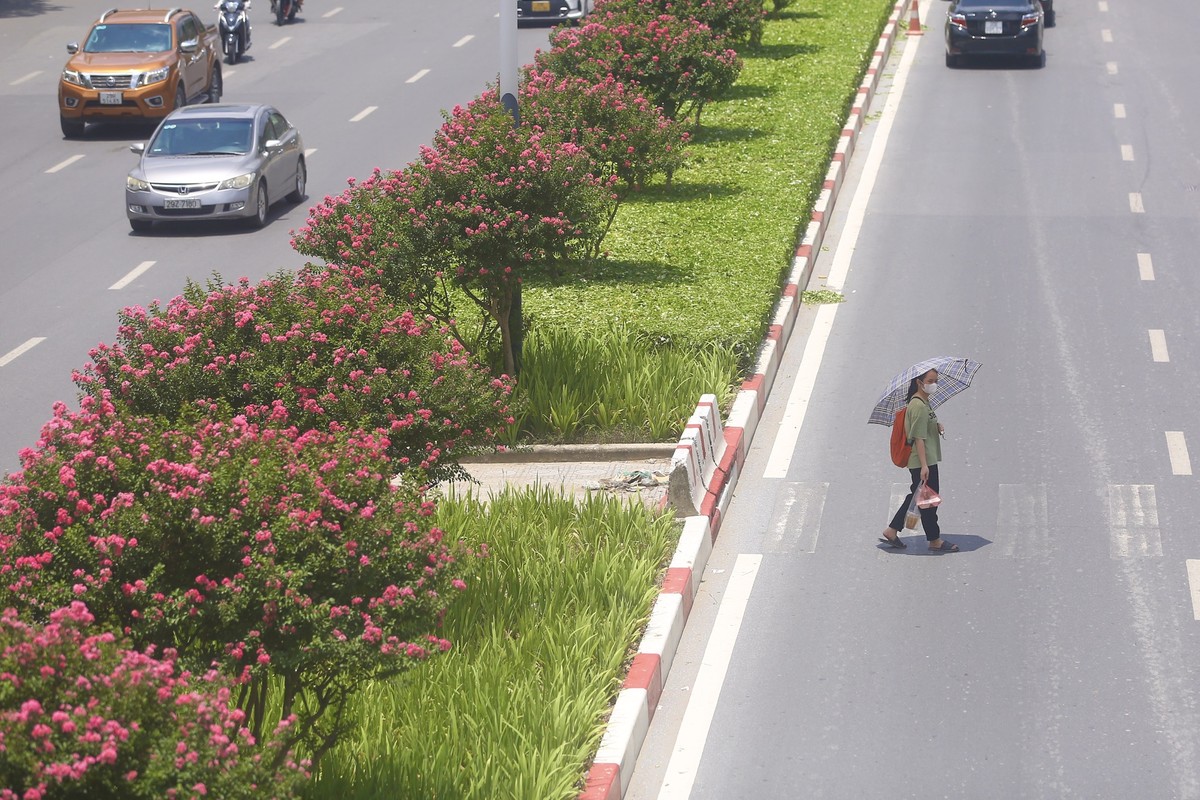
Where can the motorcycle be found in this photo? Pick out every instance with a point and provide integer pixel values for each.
(285, 10)
(234, 26)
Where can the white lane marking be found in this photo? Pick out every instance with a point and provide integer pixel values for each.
(20, 350)
(1106, 35)
(280, 43)
(308, 153)
(797, 518)
(1145, 267)
(63, 164)
(693, 732)
(1193, 571)
(464, 40)
(132, 275)
(814, 349)
(1127, 152)
(1022, 521)
(1102, 5)
(1133, 522)
(366, 112)
(420, 74)
(1158, 346)
(1111, 67)
(797, 403)
(1119, 110)
(331, 12)
(24, 78)
(226, 74)
(1181, 464)
(1135, 203)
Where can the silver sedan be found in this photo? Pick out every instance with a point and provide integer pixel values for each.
(215, 162)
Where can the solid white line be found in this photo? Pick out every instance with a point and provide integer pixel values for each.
(132, 276)
(1193, 571)
(1111, 67)
(331, 12)
(1158, 346)
(420, 74)
(1135, 203)
(1181, 464)
(797, 402)
(308, 153)
(63, 164)
(1127, 152)
(693, 732)
(464, 40)
(1106, 35)
(366, 112)
(280, 43)
(24, 78)
(1119, 110)
(1145, 267)
(17, 352)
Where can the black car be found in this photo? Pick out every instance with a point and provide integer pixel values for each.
(572, 11)
(995, 27)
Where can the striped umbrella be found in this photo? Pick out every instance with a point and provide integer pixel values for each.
(954, 375)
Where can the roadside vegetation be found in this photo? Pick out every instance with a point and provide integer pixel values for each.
(248, 492)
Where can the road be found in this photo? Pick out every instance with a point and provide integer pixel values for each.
(364, 82)
(1042, 222)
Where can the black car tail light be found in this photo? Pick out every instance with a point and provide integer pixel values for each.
(1030, 19)
(958, 19)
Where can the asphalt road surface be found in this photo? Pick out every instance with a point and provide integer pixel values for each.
(1043, 222)
(365, 82)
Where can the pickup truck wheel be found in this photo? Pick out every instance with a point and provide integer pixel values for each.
(262, 204)
(180, 97)
(297, 194)
(140, 225)
(72, 128)
(215, 85)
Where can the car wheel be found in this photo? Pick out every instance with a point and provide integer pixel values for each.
(262, 204)
(180, 97)
(140, 225)
(1050, 21)
(215, 85)
(72, 128)
(297, 194)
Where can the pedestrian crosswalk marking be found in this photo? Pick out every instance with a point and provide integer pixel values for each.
(1022, 526)
(1133, 522)
(796, 520)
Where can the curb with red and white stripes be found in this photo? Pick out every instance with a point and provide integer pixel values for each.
(705, 470)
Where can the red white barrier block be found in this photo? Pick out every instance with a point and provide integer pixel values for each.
(696, 458)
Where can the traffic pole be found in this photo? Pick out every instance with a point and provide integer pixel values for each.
(914, 20)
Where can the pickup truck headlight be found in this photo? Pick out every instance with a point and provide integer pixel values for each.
(77, 78)
(136, 184)
(155, 76)
(240, 182)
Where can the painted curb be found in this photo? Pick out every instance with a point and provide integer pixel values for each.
(709, 458)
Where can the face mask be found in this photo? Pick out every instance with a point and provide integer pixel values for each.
(930, 388)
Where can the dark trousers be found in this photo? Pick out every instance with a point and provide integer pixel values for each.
(929, 520)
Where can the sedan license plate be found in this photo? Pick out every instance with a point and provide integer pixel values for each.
(111, 98)
(186, 202)
(541, 5)
(992, 26)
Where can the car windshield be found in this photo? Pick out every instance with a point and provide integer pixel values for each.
(202, 137)
(145, 38)
(992, 4)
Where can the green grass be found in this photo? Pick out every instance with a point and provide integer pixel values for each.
(699, 264)
(541, 639)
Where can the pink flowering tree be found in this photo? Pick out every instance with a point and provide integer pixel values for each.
(280, 556)
(82, 715)
(735, 21)
(678, 63)
(624, 133)
(483, 208)
(332, 353)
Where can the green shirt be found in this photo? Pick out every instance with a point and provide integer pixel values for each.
(921, 423)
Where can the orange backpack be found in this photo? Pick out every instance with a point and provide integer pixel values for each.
(901, 445)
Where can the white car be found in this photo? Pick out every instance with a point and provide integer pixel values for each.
(553, 10)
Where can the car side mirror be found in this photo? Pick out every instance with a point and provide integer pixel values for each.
(272, 144)
(137, 147)
(73, 48)
(190, 46)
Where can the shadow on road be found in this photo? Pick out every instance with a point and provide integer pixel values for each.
(26, 8)
(967, 543)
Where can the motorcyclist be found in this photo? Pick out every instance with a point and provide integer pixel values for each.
(298, 4)
(243, 6)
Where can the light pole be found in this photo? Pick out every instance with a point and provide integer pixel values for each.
(508, 99)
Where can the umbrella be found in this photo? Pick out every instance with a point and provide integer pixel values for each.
(954, 375)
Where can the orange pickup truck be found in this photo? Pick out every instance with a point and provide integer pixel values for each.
(139, 65)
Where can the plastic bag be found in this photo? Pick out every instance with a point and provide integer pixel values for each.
(912, 517)
(927, 497)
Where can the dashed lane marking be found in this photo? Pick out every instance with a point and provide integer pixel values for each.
(1111, 67)
(1145, 267)
(1193, 573)
(280, 43)
(366, 112)
(1127, 152)
(132, 275)
(1135, 203)
(64, 164)
(1177, 450)
(24, 78)
(20, 350)
(331, 12)
(1158, 346)
(1106, 35)
(464, 40)
(420, 74)
(308, 153)
(1119, 110)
